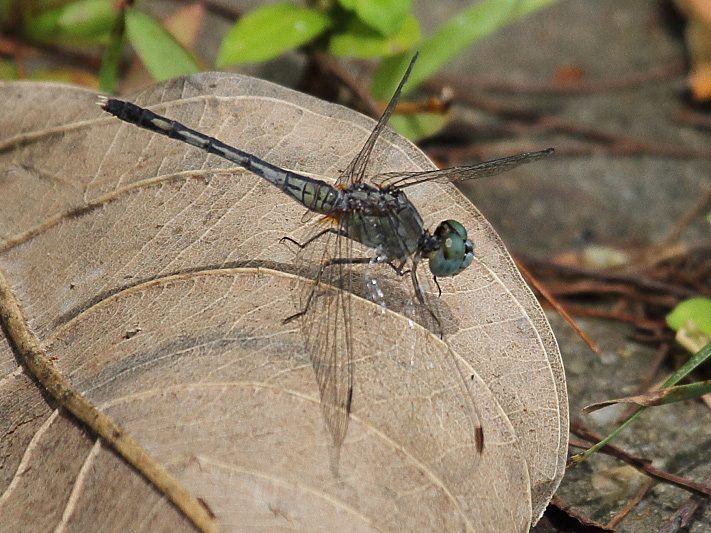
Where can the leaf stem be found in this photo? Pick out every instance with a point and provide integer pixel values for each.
(34, 358)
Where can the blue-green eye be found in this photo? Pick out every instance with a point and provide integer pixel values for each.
(455, 252)
(453, 225)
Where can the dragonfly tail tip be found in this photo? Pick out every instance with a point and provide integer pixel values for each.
(102, 101)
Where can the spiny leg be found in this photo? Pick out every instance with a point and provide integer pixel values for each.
(332, 262)
(420, 296)
(320, 234)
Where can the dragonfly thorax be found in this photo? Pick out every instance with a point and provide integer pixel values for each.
(374, 201)
(383, 219)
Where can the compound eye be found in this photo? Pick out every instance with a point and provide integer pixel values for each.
(447, 260)
(468, 256)
(458, 228)
(455, 252)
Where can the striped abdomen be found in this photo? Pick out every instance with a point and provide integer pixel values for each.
(316, 195)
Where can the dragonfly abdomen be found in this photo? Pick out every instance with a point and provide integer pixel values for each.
(314, 194)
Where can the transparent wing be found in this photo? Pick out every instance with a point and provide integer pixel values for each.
(325, 308)
(430, 314)
(453, 174)
(355, 171)
(339, 268)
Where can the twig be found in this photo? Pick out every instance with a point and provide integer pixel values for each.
(559, 308)
(11, 46)
(691, 118)
(35, 360)
(640, 463)
(687, 217)
(613, 143)
(623, 149)
(565, 518)
(631, 504)
(655, 338)
(637, 279)
(638, 321)
(584, 86)
(683, 514)
(329, 66)
(601, 288)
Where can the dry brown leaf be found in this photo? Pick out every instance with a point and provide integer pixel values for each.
(656, 397)
(698, 39)
(132, 257)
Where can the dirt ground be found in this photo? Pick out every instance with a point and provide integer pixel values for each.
(607, 199)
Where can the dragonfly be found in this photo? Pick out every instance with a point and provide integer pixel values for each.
(370, 209)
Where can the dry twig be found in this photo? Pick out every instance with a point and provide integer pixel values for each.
(642, 464)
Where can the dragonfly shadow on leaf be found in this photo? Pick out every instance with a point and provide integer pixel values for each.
(369, 242)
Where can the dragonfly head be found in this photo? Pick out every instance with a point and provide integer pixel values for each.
(454, 251)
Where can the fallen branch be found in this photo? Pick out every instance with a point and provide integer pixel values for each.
(642, 464)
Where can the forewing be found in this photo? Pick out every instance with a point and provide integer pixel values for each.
(454, 174)
(426, 314)
(356, 169)
(325, 305)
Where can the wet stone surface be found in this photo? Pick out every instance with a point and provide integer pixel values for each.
(566, 203)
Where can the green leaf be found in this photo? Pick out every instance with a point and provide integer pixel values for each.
(385, 16)
(419, 126)
(108, 72)
(458, 33)
(81, 23)
(160, 52)
(8, 70)
(5, 11)
(268, 31)
(698, 310)
(359, 40)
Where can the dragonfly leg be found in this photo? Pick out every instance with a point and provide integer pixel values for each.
(361, 260)
(420, 296)
(439, 289)
(302, 312)
(346, 261)
(399, 268)
(320, 234)
(330, 262)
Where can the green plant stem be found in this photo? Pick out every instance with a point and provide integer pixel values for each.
(694, 361)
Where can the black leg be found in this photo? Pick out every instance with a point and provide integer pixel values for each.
(330, 262)
(420, 296)
(340, 232)
(439, 289)
(399, 268)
